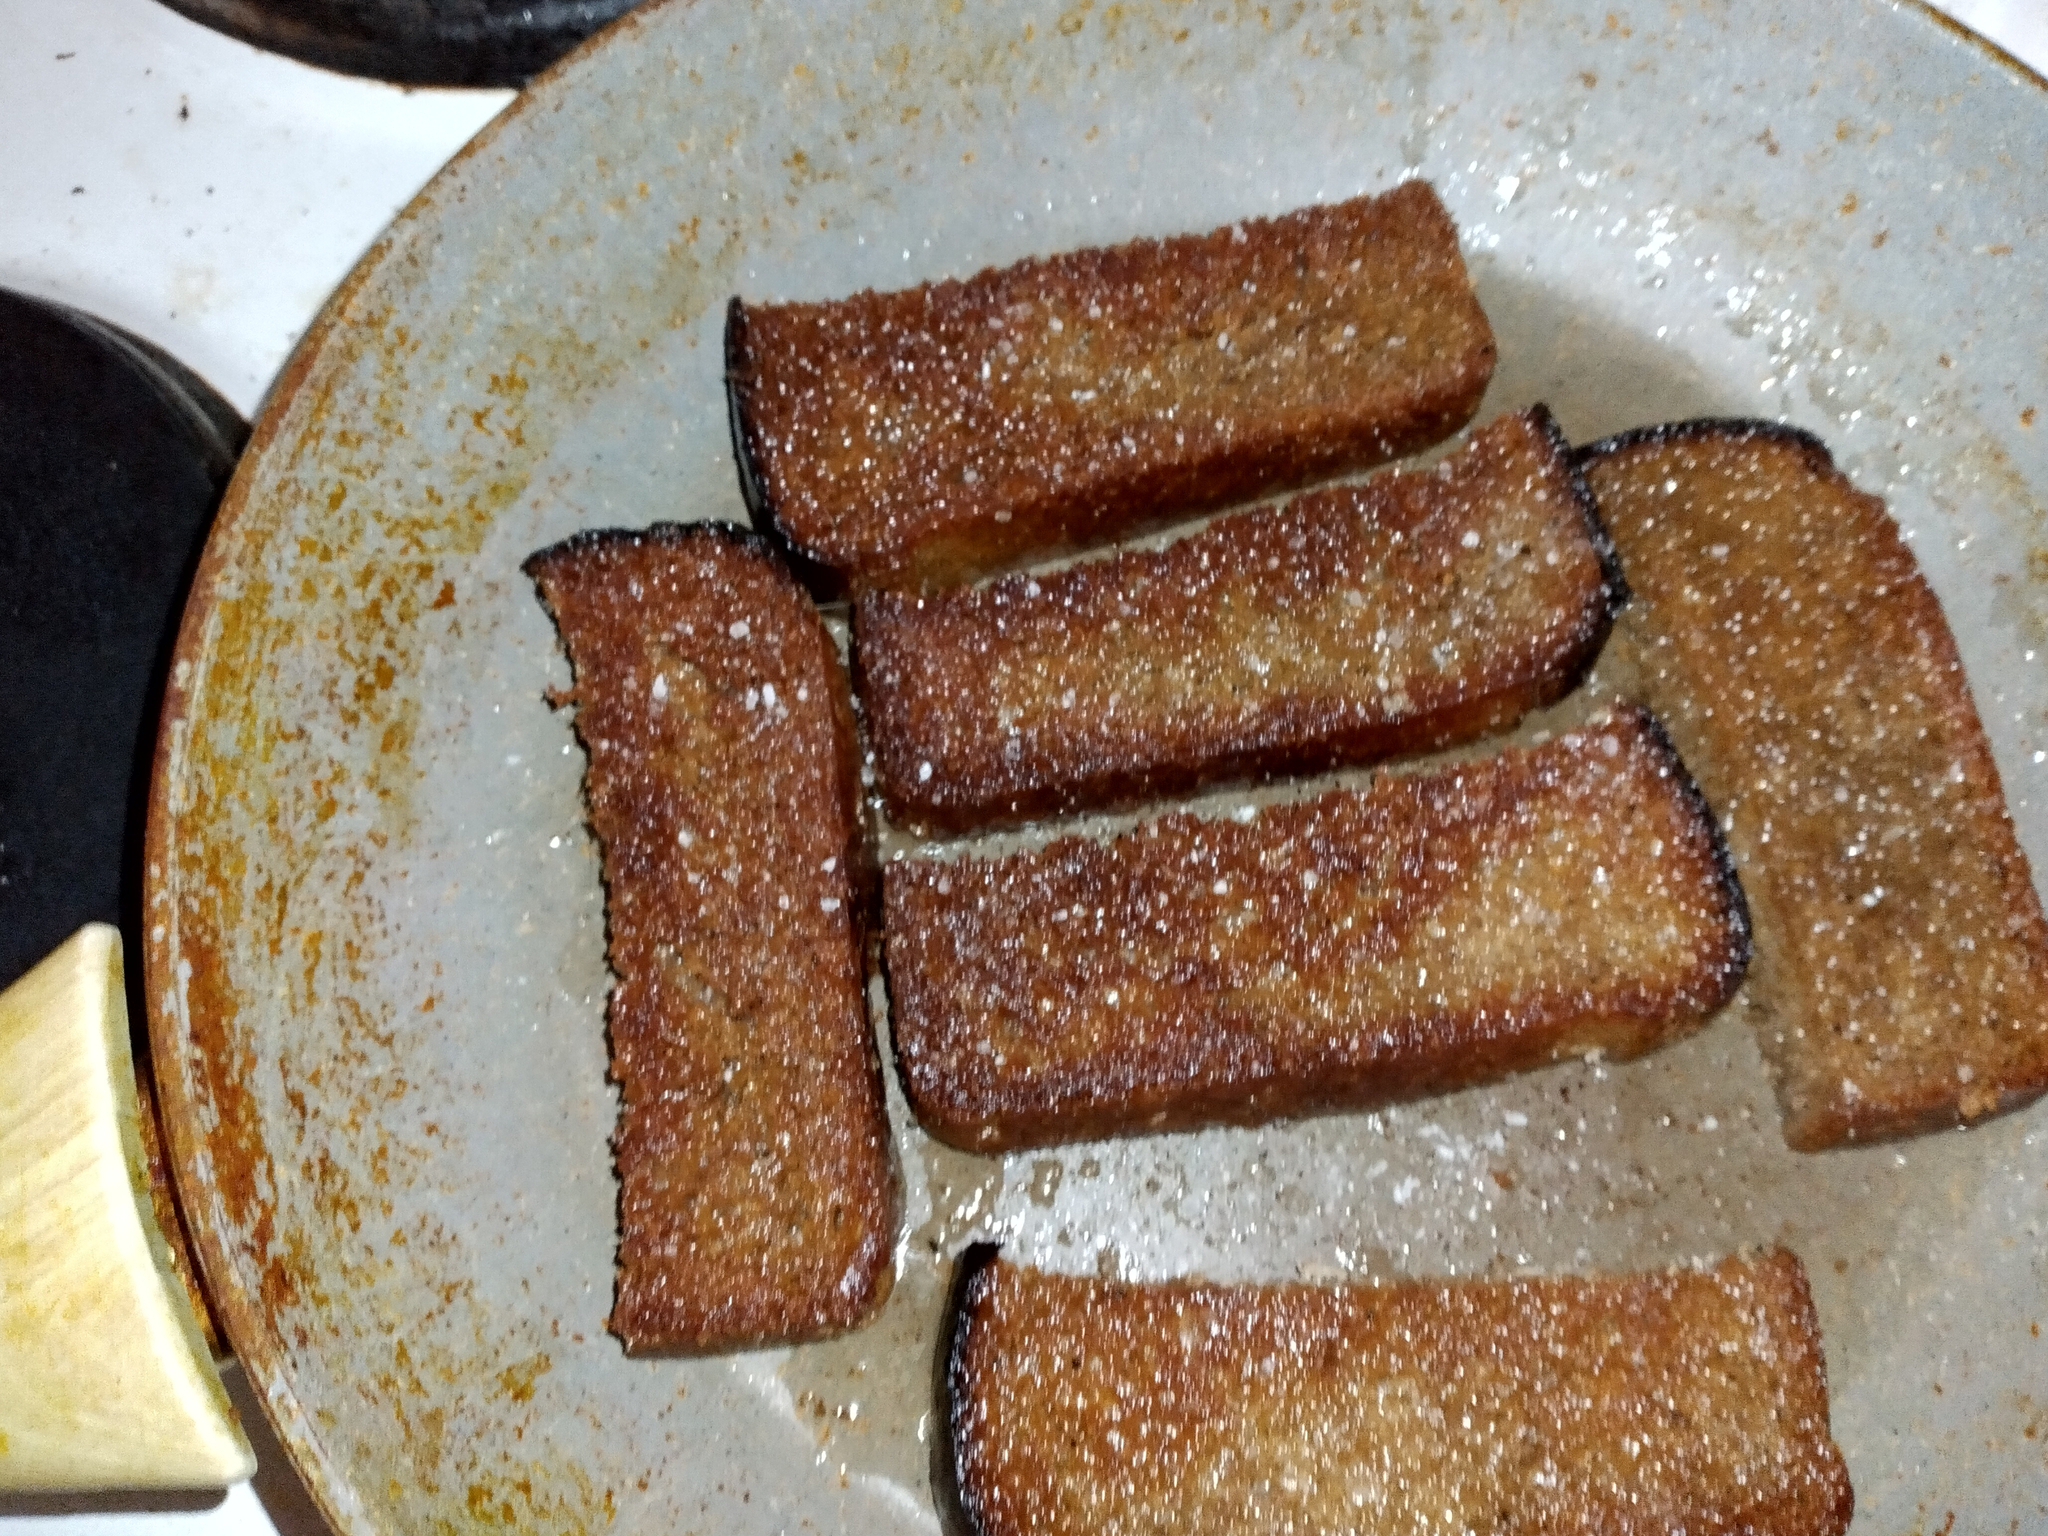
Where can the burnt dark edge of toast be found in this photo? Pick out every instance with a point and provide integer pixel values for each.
(752, 491)
(1732, 894)
(677, 535)
(891, 998)
(1612, 577)
(1697, 427)
(825, 584)
(957, 1513)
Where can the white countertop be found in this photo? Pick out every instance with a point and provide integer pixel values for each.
(208, 196)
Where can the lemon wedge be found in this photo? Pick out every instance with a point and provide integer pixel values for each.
(105, 1378)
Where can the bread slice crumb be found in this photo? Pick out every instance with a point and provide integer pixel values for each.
(1420, 609)
(1787, 638)
(927, 437)
(1435, 930)
(1691, 1399)
(758, 1191)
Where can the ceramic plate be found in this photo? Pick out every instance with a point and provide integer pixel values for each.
(376, 953)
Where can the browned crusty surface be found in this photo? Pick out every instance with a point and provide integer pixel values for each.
(925, 437)
(758, 1193)
(1809, 678)
(1435, 930)
(1419, 609)
(1632, 1405)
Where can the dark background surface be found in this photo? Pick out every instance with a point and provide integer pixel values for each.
(112, 458)
(413, 42)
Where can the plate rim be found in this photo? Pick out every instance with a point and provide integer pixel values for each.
(257, 1346)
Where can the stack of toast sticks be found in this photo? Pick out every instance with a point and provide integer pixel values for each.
(1798, 790)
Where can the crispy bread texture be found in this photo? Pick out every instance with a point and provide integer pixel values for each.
(1626, 1405)
(1419, 609)
(1806, 672)
(758, 1197)
(1435, 930)
(926, 437)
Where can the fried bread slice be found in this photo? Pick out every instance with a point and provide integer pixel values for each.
(929, 436)
(1807, 674)
(1417, 610)
(1687, 1399)
(758, 1197)
(1434, 930)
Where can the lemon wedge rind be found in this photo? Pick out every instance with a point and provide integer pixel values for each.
(109, 1383)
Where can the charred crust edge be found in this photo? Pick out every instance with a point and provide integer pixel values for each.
(958, 1515)
(1743, 948)
(676, 535)
(820, 580)
(738, 383)
(1735, 428)
(914, 1097)
(1612, 577)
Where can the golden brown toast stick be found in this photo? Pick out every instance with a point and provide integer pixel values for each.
(1420, 609)
(1809, 678)
(1435, 930)
(923, 438)
(758, 1194)
(1687, 1400)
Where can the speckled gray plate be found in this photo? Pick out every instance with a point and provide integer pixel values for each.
(376, 947)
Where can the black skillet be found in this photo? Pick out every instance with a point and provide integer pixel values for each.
(112, 457)
(413, 42)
